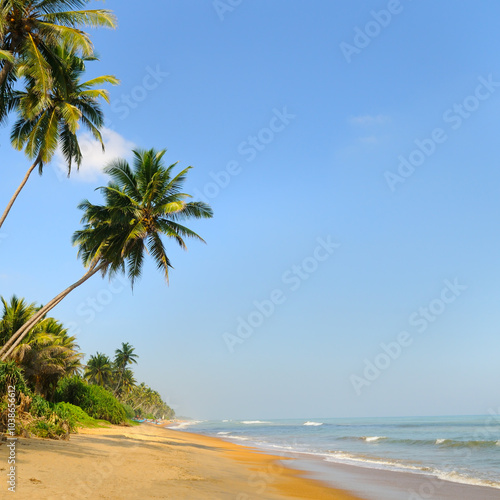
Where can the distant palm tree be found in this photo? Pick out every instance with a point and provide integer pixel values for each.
(142, 204)
(99, 370)
(128, 382)
(45, 126)
(124, 357)
(31, 31)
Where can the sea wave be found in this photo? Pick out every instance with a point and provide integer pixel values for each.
(183, 425)
(451, 443)
(368, 439)
(455, 477)
(397, 466)
(314, 424)
(223, 433)
(441, 442)
(372, 439)
(247, 422)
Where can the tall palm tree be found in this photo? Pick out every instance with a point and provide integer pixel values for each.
(99, 370)
(142, 203)
(31, 30)
(43, 126)
(124, 357)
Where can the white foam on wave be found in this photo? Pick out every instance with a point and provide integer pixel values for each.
(315, 424)
(455, 477)
(223, 433)
(248, 422)
(183, 425)
(348, 458)
(440, 441)
(372, 439)
(280, 446)
(239, 438)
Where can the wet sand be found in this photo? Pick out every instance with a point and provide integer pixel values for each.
(376, 484)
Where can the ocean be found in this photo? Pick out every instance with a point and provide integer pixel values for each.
(456, 449)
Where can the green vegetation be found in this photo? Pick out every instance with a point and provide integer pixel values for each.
(52, 398)
(137, 400)
(43, 58)
(95, 400)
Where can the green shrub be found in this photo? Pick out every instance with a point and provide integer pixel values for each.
(76, 416)
(40, 407)
(129, 411)
(96, 401)
(53, 429)
(11, 374)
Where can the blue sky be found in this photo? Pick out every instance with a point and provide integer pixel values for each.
(293, 138)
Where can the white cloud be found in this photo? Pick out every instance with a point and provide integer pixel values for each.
(94, 160)
(366, 120)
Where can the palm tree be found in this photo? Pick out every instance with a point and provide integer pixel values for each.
(142, 204)
(124, 357)
(15, 314)
(31, 30)
(99, 370)
(43, 126)
(48, 354)
(128, 382)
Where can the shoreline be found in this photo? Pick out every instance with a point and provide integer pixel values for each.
(149, 461)
(152, 461)
(372, 483)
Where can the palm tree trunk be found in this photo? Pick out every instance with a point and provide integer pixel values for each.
(15, 340)
(18, 190)
(119, 381)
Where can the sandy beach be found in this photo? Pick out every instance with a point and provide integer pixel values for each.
(149, 462)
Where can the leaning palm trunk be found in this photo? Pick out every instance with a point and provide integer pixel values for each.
(16, 339)
(18, 190)
(119, 381)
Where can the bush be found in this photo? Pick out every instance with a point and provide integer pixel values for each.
(55, 428)
(40, 407)
(75, 416)
(11, 374)
(96, 401)
(129, 411)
